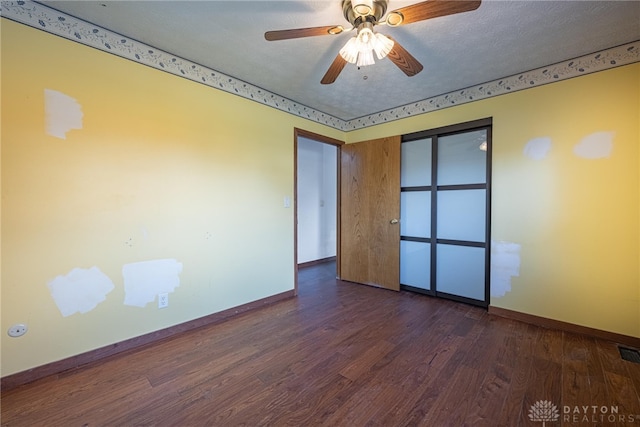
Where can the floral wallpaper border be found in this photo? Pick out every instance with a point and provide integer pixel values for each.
(599, 61)
(44, 18)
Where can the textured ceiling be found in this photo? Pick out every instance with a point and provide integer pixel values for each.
(501, 38)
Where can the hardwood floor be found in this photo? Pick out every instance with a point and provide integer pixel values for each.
(342, 354)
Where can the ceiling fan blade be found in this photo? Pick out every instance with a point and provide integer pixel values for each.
(433, 9)
(334, 70)
(404, 60)
(303, 32)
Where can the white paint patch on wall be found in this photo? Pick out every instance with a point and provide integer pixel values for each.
(62, 113)
(538, 148)
(505, 264)
(597, 145)
(80, 291)
(144, 280)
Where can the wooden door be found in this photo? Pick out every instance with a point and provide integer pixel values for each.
(369, 213)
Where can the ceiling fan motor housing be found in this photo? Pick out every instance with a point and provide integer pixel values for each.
(377, 12)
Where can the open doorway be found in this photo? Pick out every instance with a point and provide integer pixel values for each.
(316, 200)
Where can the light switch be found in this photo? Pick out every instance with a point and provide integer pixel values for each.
(287, 202)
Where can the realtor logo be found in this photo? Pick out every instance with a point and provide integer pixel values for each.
(544, 410)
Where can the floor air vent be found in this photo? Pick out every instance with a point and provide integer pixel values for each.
(629, 354)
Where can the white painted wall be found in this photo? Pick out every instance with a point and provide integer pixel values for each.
(317, 198)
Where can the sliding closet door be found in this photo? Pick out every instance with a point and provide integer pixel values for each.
(445, 212)
(415, 213)
(462, 227)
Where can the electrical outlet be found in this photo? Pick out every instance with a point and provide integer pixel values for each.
(17, 330)
(163, 300)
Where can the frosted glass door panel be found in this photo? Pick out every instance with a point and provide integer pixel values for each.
(462, 215)
(461, 159)
(415, 213)
(460, 271)
(415, 264)
(416, 163)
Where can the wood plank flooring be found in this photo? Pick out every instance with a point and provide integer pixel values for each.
(342, 354)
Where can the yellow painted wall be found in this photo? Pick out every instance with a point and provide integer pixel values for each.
(162, 168)
(576, 219)
(166, 168)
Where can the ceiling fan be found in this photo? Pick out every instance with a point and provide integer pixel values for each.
(364, 15)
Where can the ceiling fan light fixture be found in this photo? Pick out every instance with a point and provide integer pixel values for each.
(359, 50)
(365, 35)
(362, 7)
(350, 51)
(365, 57)
(382, 45)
